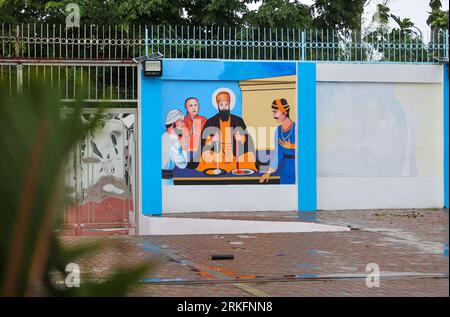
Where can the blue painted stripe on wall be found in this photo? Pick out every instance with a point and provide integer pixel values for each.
(151, 190)
(307, 137)
(446, 141)
(224, 70)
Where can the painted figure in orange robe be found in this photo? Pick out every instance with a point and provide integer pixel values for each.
(194, 124)
(226, 143)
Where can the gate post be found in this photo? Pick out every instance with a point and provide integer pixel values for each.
(303, 46)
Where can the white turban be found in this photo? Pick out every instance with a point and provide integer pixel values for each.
(173, 116)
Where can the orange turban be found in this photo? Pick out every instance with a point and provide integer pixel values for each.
(281, 105)
(223, 96)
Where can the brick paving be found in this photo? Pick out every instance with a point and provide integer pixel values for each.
(388, 288)
(399, 241)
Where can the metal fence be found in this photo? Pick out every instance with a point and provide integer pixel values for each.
(93, 81)
(212, 42)
(99, 58)
(89, 62)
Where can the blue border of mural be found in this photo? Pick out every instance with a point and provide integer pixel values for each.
(446, 140)
(217, 70)
(151, 190)
(194, 70)
(307, 137)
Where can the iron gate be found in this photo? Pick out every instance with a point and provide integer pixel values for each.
(101, 177)
(101, 171)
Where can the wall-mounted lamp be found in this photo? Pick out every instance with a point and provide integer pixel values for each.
(152, 64)
(153, 67)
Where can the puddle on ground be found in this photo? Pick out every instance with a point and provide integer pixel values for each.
(306, 276)
(160, 280)
(307, 216)
(149, 247)
(246, 237)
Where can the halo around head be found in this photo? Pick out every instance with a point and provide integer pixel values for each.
(228, 90)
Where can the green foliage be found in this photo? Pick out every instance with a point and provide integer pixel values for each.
(385, 53)
(438, 18)
(338, 14)
(280, 14)
(215, 12)
(92, 11)
(404, 24)
(35, 142)
(382, 13)
(435, 4)
(122, 12)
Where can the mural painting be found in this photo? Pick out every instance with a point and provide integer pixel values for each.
(229, 132)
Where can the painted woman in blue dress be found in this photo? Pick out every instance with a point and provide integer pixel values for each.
(283, 156)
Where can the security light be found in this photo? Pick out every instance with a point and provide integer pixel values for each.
(153, 67)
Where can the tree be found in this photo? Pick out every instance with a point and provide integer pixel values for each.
(402, 34)
(100, 12)
(435, 4)
(404, 24)
(20, 11)
(339, 14)
(215, 12)
(280, 14)
(95, 11)
(382, 14)
(437, 18)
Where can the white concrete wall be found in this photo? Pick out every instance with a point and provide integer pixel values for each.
(380, 136)
(202, 198)
(380, 145)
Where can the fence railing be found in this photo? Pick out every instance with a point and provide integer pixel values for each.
(94, 81)
(98, 58)
(44, 41)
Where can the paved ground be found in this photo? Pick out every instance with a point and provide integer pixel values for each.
(410, 247)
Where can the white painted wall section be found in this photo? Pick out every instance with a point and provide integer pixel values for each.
(339, 193)
(375, 73)
(380, 136)
(204, 198)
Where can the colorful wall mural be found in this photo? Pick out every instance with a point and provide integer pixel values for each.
(292, 136)
(229, 131)
(227, 134)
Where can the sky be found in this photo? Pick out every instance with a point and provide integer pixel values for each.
(416, 10)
